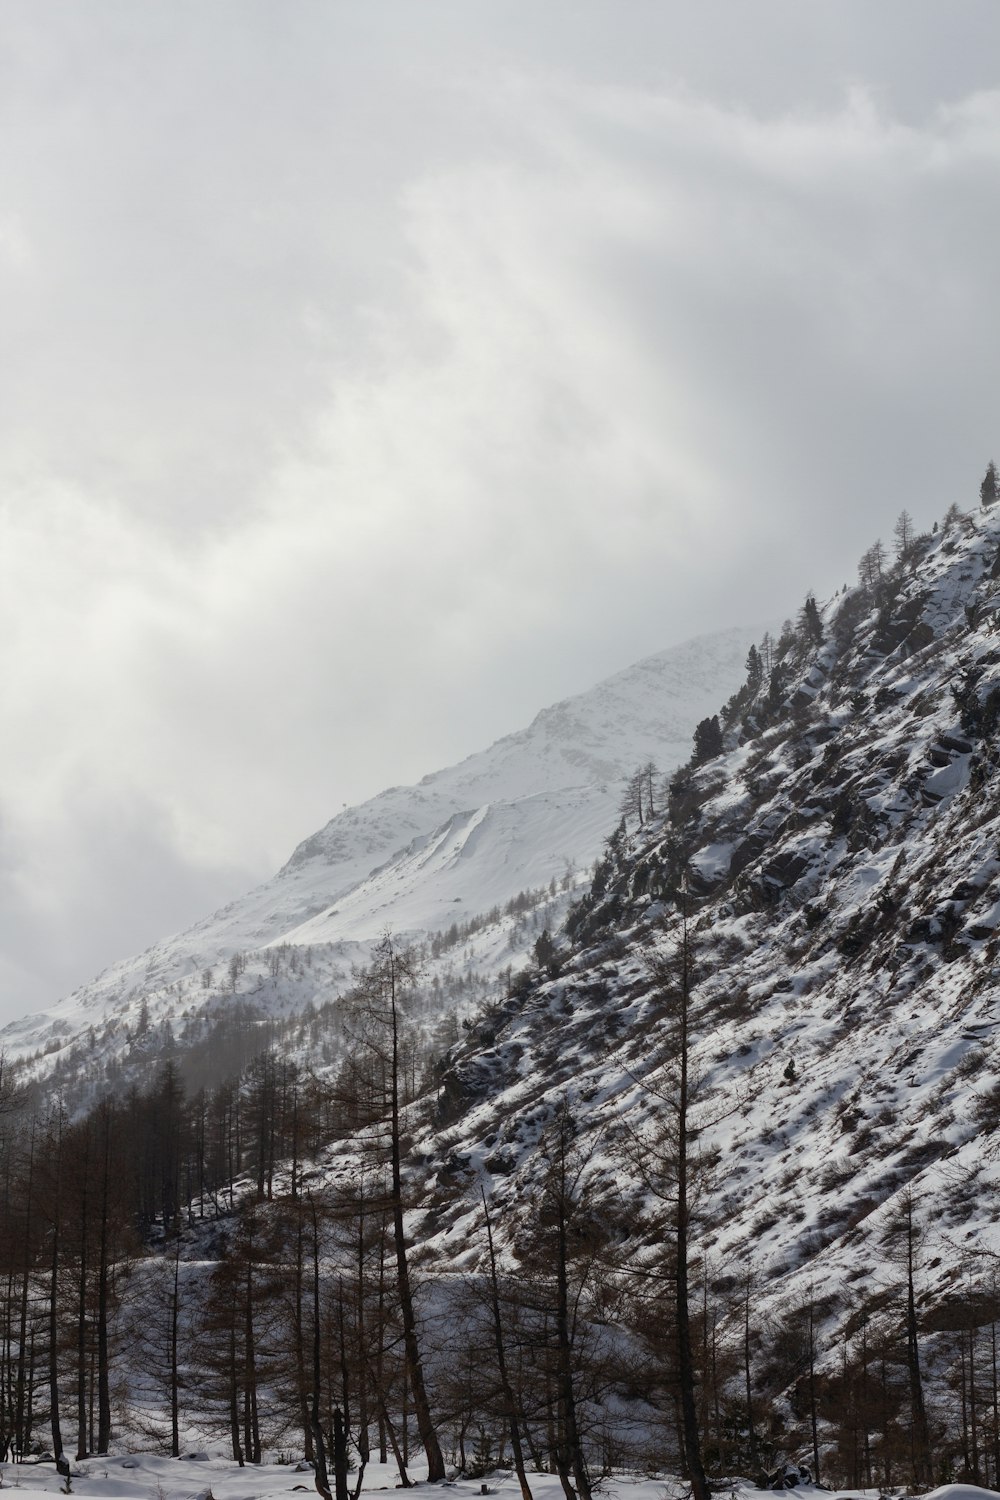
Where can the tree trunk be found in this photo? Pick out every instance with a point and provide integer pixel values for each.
(340, 1454)
(920, 1434)
(685, 1360)
(414, 1370)
(103, 1372)
(363, 1414)
(812, 1394)
(62, 1463)
(175, 1438)
(570, 1440)
(505, 1384)
(748, 1383)
(973, 1413)
(251, 1424)
(995, 1394)
(22, 1404)
(234, 1398)
(81, 1310)
(866, 1443)
(380, 1352)
(305, 1416)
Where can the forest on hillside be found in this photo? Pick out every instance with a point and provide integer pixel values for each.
(260, 1259)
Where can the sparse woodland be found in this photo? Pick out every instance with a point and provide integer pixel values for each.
(709, 1188)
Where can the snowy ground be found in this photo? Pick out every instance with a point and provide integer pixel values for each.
(142, 1476)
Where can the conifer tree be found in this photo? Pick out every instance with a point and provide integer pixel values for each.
(811, 624)
(870, 568)
(952, 516)
(989, 491)
(707, 740)
(649, 772)
(632, 803)
(905, 536)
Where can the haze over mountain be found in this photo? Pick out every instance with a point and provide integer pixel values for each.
(531, 810)
(361, 358)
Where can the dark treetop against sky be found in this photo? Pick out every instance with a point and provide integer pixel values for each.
(374, 374)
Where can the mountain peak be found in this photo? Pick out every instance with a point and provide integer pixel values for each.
(529, 812)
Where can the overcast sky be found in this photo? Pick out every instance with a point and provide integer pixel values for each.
(374, 374)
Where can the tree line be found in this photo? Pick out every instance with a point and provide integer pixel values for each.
(174, 1262)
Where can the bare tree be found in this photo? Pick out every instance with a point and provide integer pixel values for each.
(682, 1222)
(903, 534)
(872, 566)
(380, 999)
(666, 1162)
(903, 1227)
(650, 773)
(632, 798)
(510, 1400)
(558, 1258)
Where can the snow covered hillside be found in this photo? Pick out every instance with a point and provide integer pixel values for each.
(788, 966)
(447, 856)
(841, 857)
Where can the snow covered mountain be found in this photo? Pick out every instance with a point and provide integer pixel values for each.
(524, 818)
(818, 894)
(841, 858)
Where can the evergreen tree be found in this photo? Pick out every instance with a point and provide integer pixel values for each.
(546, 956)
(810, 623)
(707, 740)
(952, 516)
(988, 490)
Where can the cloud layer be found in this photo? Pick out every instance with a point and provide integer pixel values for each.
(370, 382)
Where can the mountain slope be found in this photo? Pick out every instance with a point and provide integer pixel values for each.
(842, 862)
(531, 810)
(826, 873)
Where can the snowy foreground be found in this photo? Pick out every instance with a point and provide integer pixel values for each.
(150, 1477)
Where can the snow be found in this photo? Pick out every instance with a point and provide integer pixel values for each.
(846, 1002)
(713, 860)
(960, 1492)
(532, 809)
(145, 1476)
(829, 951)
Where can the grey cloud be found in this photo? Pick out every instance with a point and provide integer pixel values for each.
(376, 375)
(71, 885)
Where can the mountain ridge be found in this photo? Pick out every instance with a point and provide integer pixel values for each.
(548, 792)
(842, 859)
